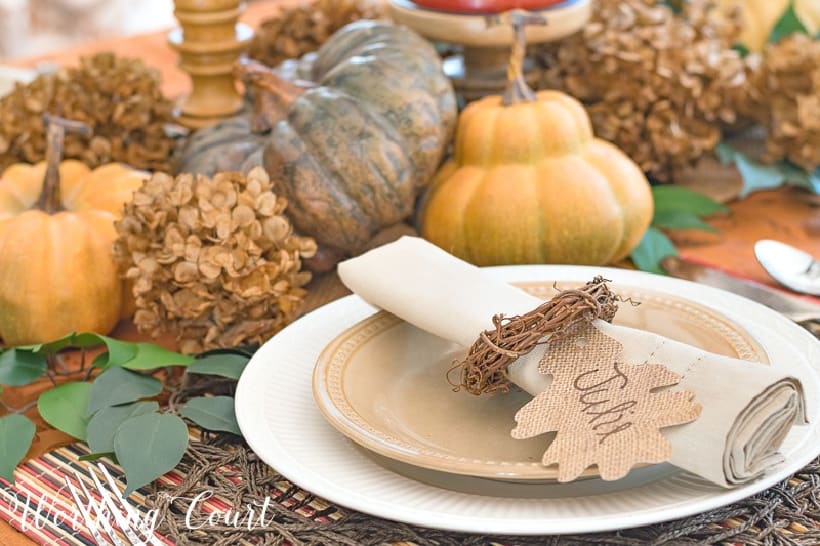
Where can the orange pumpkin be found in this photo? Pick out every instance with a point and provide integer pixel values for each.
(529, 183)
(57, 273)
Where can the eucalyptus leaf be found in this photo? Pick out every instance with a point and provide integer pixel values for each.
(757, 176)
(63, 407)
(813, 180)
(70, 340)
(212, 413)
(21, 367)
(150, 357)
(117, 386)
(679, 219)
(654, 247)
(118, 354)
(801, 178)
(245, 350)
(794, 174)
(789, 23)
(16, 435)
(725, 153)
(100, 361)
(224, 365)
(147, 446)
(678, 198)
(674, 5)
(103, 425)
(97, 456)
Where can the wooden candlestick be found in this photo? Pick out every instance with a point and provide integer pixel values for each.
(209, 41)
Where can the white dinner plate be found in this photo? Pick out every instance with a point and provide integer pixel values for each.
(280, 421)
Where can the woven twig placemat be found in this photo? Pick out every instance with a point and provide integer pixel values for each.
(787, 514)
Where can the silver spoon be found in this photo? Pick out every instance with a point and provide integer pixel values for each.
(791, 267)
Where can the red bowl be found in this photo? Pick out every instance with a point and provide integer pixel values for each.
(485, 6)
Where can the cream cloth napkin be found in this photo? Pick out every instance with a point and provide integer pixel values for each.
(747, 408)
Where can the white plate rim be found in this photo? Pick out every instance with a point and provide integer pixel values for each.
(250, 400)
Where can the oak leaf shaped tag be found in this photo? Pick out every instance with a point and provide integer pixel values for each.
(605, 412)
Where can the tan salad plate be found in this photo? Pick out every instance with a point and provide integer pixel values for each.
(383, 384)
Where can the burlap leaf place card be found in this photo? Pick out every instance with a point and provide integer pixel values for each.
(605, 412)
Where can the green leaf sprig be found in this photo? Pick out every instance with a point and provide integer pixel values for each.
(789, 23)
(114, 408)
(760, 176)
(676, 207)
(16, 435)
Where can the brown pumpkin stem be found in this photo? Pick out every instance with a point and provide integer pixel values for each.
(272, 94)
(50, 200)
(517, 88)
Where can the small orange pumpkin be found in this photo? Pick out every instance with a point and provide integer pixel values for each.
(57, 272)
(529, 183)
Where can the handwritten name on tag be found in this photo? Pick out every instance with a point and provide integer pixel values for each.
(604, 411)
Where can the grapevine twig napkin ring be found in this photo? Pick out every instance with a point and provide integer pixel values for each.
(484, 369)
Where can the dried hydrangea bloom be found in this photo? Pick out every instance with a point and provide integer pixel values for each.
(119, 98)
(214, 260)
(660, 85)
(786, 93)
(305, 27)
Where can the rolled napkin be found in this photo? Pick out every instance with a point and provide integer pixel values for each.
(747, 409)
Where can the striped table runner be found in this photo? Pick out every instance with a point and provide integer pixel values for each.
(41, 506)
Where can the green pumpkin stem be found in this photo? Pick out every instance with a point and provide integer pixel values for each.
(517, 88)
(50, 200)
(273, 95)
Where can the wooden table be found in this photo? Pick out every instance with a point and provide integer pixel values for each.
(787, 215)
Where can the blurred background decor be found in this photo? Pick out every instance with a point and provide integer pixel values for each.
(33, 27)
